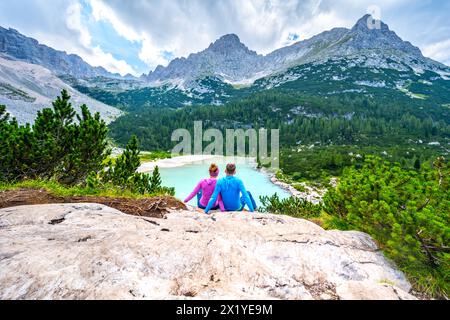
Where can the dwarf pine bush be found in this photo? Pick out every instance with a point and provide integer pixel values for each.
(406, 211)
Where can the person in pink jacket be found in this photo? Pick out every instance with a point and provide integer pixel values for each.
(204, 190)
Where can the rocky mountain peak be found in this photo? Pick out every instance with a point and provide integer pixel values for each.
(368, 23)
(227, 58)
(229, 39)
(229, 43)
(371, 34)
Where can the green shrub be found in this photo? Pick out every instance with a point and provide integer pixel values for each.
(55, 146)
(299, 187)
(297, 176)
(291, 206)
(406, 211)
(122, 173)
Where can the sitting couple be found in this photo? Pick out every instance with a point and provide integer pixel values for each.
(223, 194)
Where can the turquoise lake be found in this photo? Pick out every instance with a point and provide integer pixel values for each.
(186, 177)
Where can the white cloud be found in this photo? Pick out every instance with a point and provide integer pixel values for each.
(60, 25)
(151, 54)
(439, 51)
(100, 11)
(95, 56)
(74, 23)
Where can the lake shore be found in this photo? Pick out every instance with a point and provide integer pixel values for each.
(147, 167)
(180, 161)
(310, 194)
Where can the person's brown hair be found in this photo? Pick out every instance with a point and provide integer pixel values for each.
(231, 168)
(213, 168)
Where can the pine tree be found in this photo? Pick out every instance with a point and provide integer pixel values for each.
(16, 152)
(121, 172)
(417, 164)
(53, 132)
(4, 116)
(54, 147)
(71, 152)
(88, 148)
(5, 138)
(155, 181)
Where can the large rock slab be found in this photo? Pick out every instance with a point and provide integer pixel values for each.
(90, 251)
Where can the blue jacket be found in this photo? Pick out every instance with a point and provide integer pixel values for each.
(230, 189)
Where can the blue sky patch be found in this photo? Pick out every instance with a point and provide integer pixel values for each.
(104, 36)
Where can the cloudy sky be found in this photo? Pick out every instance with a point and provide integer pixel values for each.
(134, 36)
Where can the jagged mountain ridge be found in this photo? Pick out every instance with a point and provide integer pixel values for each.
(14, 45)
(231, 61)
(359, 60)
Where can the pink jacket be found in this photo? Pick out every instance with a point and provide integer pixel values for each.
(207, 187)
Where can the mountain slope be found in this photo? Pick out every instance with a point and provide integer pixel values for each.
(360, 40)
(347, 77)
(22, 48)
(26, 88)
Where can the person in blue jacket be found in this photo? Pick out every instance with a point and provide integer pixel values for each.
(230, 188)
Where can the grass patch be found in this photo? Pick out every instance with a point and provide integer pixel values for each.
(299, 187)
(153, 156)
(48, 192)
(59, 190)
(413, 95)
(144, 157)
